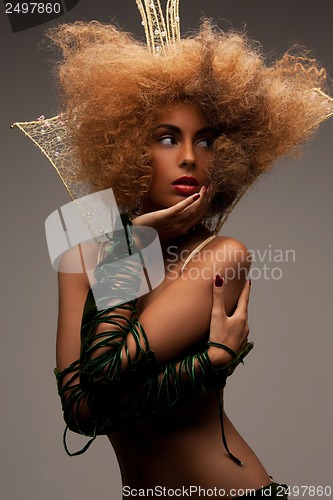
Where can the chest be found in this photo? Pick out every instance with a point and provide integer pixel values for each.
(176, 257)
(172, 267)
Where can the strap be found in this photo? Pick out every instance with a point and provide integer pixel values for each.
(222, 346)
(80, 452)
(197, 250)
(220, 376)
(224, 439)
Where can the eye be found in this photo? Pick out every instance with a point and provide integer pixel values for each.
(205, 143)
(167, 140)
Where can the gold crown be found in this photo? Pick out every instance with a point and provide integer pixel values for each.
(160, 31)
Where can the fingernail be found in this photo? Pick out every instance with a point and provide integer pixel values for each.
(219, 281)
(196, 197)
(250, 282)
(204, 190)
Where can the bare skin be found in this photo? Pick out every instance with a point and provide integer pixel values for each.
(185, 447)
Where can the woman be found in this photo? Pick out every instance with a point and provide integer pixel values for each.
(180, 154)
(206, 113)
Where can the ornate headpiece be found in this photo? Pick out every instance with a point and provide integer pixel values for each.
(52, 135)
(159, 31)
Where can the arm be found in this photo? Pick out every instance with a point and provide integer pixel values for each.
(114, 341)
(111, 399)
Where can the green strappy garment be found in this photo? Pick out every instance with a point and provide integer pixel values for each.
(108, 388)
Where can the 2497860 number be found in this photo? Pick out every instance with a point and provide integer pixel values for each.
(33, 8)
(310, 491)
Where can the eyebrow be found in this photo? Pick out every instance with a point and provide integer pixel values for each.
(177, 130)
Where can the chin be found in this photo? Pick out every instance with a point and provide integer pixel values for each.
(153, 205)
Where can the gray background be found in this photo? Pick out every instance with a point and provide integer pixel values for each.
(281, 401)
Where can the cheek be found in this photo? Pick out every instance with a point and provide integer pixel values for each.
(159, 175)
(206, 166)
(160, 163)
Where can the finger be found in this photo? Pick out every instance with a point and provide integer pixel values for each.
(218, 296)
(195, 212)
(182, 205)
(218, 316)
(199, 205)
(244, 297)
(191, 202)
(188, 217)
(190, 220)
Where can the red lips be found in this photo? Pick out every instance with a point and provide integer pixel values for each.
(186, 180)
(186, 185)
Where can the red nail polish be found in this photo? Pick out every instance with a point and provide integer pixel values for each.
(219, 281)
(196, 197)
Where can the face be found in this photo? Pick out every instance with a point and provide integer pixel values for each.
(181, 156)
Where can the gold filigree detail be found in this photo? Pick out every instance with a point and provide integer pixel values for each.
(160, 31)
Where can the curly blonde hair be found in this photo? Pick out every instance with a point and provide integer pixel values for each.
(114, 90)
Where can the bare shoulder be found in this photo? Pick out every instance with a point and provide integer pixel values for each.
(231, 251)
(80, 258)
(221, 254)
(236, 247)
(232, 260)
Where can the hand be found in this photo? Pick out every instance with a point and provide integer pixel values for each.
(178, 219)
(232, 331)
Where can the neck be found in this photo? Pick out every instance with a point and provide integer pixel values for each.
(194, 236)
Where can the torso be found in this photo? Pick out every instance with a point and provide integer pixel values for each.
(184, 448)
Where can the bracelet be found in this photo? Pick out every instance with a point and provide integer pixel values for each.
(222, 346)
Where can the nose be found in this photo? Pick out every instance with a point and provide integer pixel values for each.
(187, 156)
